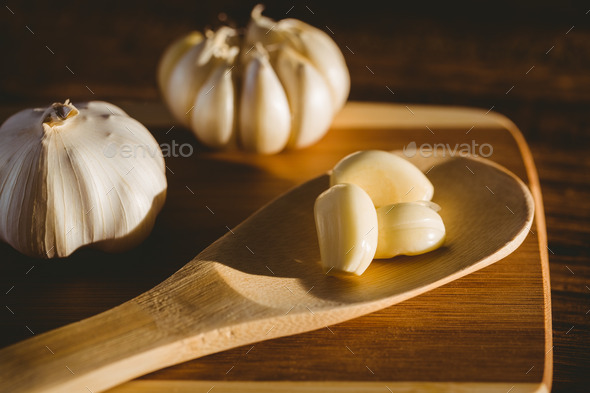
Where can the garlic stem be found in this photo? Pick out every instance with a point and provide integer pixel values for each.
(57, 113)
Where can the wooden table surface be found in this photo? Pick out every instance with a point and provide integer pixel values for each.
(528, 60)
(485, 331)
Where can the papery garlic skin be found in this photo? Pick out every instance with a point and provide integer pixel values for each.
(172, 55)
(386, 177)
(77, 176)
(311, 42)
(285, 84)
(193, 68)
(213, 116)
(409, 228)
(347, 229)
(326, 56)
(265, 120)
(309, 97)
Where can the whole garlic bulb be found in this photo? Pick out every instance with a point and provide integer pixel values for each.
(76, 176)
(277, 86)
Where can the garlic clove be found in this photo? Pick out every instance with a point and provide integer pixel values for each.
(309, 98)
(185, 81)
(66, 180)
(324, 54)
(264, 116)
(313, 43)
(172, 55)
(347, 228)
(192, 70)
(386, 177)
(409, 228)
(213, 118)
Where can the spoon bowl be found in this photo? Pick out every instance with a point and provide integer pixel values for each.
(263, 280)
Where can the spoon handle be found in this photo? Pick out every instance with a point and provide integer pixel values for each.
(91, 355)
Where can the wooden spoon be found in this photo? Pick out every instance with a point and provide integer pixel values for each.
(263, 280)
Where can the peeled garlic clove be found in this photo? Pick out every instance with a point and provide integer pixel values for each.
(386, 177)
(172, 55)
(76, 176)
(192, 70)
(309, 98)
(409, 229)
(347, 228)
(213, 118)
(264, 119)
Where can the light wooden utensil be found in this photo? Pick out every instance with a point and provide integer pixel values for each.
(263, 280)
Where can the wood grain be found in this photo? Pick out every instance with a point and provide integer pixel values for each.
(323, 387)
(427, 52)
(278, 166)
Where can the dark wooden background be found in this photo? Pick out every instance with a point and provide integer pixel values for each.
(529, 61)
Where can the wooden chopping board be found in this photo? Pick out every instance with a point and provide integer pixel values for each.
(489, 331)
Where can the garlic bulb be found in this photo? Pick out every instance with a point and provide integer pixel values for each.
(72, 176)
(276, 86)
